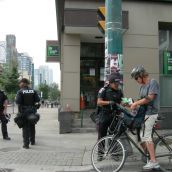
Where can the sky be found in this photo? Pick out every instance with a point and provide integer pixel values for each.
(32, 22)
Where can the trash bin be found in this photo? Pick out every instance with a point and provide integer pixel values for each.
(65, 122)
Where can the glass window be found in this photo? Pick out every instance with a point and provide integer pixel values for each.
(165, 45)
(92, 60)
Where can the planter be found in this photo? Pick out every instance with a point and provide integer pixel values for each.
(65, 122)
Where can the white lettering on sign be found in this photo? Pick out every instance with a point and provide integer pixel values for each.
(28, 91)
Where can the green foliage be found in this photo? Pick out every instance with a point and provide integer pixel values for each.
(51, 92)
(54, 93)
(44, 88)
(9, 81)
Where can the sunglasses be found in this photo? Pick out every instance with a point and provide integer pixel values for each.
(136, 78)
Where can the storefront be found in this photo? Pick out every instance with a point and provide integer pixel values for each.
(165, 54)
(147, 40)
(92, 72)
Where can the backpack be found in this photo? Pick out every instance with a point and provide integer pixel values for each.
(135, 122)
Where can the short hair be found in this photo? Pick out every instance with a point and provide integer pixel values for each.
(25, 81)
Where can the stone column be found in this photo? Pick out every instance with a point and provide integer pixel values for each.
(70, 69)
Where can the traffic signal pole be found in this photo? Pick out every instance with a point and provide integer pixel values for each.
(113, 37)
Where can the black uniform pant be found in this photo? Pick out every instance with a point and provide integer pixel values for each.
(28, 133)
(102, 132)
(4, 126)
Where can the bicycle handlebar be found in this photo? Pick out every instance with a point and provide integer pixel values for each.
(124, 110)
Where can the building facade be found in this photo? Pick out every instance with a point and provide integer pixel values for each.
(11, 51)
(43, 75)
(2, 52)
(25, 65)
(147, 40)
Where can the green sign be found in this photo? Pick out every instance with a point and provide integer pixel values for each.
(153, 0)
(53, 51)
(167, 62)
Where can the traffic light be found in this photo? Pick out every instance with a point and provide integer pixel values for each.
(101, 17)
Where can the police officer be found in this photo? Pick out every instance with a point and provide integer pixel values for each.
(26, 99)
(3, 112)
(107, 97)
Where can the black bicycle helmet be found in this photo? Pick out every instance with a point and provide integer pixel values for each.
(138, 71)
(114, 78)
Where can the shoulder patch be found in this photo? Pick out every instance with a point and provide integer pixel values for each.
(101, 90)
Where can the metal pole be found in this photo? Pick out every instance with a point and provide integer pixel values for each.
(13, 105)
(113, 37)
(82, 117)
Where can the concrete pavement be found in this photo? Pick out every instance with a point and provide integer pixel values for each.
(52, 152)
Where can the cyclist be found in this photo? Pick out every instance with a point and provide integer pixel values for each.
(149, 96)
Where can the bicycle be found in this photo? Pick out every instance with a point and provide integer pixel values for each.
(109, 153)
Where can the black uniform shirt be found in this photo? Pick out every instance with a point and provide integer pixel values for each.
(27, 97)
(109, 94)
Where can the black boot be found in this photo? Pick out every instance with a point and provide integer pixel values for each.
(32, 142)
(26, 146)
(6, 138)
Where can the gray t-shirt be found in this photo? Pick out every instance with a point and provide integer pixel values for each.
(151, 88)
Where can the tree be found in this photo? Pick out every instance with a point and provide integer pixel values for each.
(9, 81)
(54, 93)
(44, 88)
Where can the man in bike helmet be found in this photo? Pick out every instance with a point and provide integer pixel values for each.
(149, 98)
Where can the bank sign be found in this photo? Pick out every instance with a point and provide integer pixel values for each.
(52, 51)
(154, 0)
(167, 63)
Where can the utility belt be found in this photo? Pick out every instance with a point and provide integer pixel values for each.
(27, 109)
(108, 109)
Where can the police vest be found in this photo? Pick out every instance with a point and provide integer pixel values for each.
(111, 95)
(28, 97)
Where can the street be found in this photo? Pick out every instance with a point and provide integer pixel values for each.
(53, 152)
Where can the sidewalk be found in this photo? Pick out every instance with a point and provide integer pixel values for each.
(52, 152)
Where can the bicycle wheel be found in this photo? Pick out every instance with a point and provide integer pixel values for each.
(108, 155)
(162, 150)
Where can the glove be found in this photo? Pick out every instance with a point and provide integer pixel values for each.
(112, 103)
(37, 105)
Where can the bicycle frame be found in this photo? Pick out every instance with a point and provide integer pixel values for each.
(136, 145)
(118, 134)
(165, 144)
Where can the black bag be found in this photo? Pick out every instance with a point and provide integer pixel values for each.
(19, 120)
(134, 122)
(95, 115)
(33, 118)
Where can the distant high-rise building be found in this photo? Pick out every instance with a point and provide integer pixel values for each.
(11, 51)
(50, 76)
(43, 75)
(36, 77)
(2, 52)
(25, 65)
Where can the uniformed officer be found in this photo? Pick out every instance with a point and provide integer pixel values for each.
(3, 112)
(26, 99)
(107, 97)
